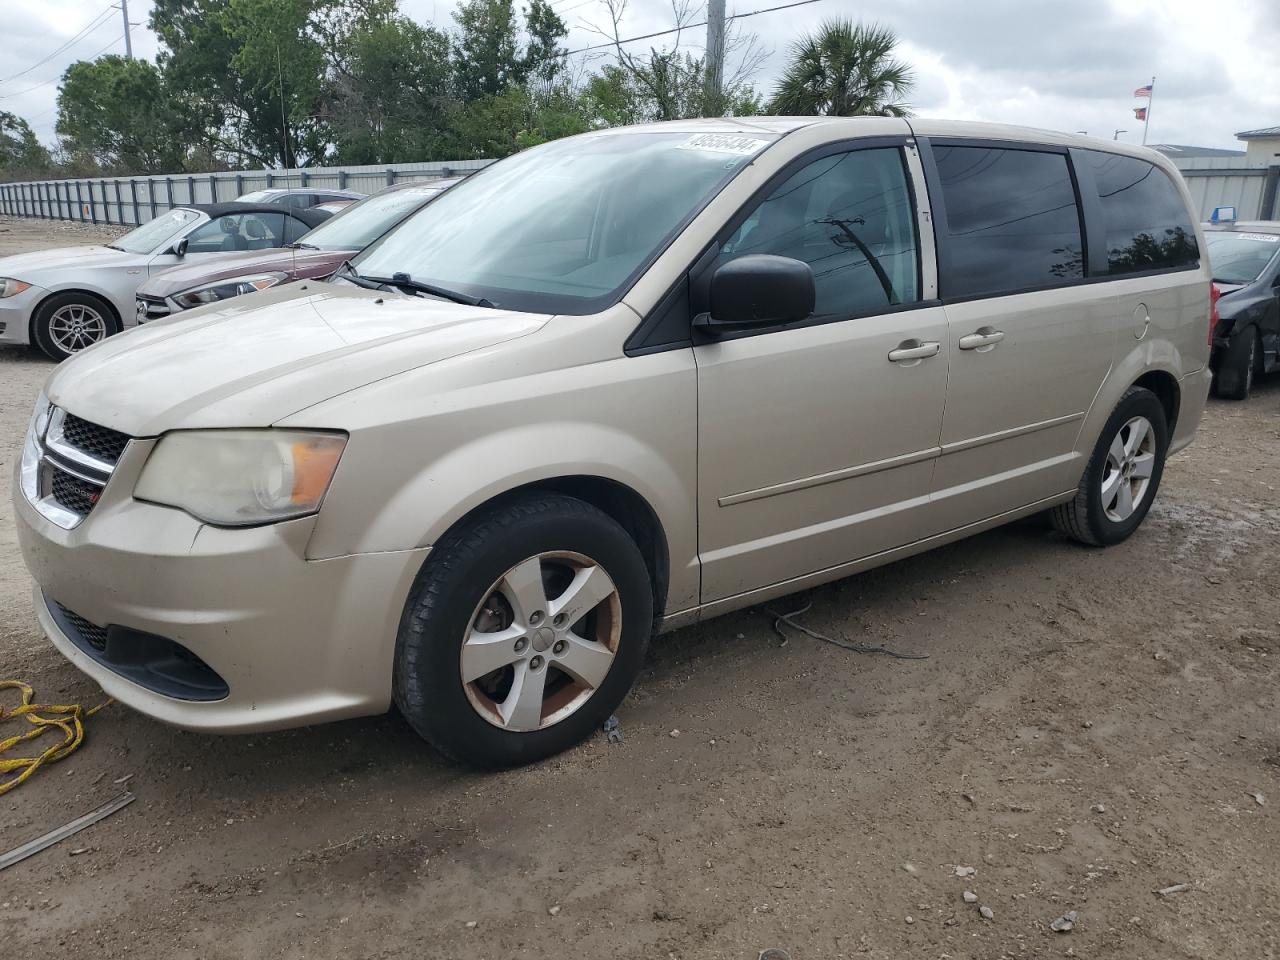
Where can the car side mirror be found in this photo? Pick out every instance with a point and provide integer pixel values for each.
(180, 248)
(758, 290)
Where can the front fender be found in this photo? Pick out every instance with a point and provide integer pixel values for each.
(403, 484)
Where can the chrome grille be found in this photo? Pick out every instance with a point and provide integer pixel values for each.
(66, 468)
(102, 442)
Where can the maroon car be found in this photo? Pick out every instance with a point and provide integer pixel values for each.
(316, 254)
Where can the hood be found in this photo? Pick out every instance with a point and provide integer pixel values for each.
(261, 357)
(296, 263)
(29, 266)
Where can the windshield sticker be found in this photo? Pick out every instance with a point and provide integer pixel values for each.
(1264, 237)
(725, 143)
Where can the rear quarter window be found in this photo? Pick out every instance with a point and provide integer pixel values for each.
(1146, 221)
(1012, 221)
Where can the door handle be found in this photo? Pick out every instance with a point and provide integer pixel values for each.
(985, 337)
(909, 350)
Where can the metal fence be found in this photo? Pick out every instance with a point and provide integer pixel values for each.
(1213, 182)
(134, 200)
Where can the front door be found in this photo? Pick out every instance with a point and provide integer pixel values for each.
(816, 440)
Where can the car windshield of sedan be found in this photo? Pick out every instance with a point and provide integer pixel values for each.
(564, 227)
(152, 235)
(1241, 257)
(362, 223)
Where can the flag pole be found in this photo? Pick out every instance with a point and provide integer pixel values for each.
(1147, 116)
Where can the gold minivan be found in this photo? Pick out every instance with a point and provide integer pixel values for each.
(614, 384)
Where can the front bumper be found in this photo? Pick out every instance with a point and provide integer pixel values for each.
(15, 315)
(296, 641)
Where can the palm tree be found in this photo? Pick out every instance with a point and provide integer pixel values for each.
(846, 69)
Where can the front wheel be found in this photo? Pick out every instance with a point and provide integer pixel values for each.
(1123, 474)
(524, 631)
(67, 323)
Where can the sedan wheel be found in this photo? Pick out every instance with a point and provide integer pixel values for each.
(67, 323)
(76, 326)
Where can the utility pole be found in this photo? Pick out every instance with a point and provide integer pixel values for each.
(714, 90)
(128, 42)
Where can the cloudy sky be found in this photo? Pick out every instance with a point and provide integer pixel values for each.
(1064, 64)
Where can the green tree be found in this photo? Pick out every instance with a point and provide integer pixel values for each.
(254, 72)
(390, 96)
(845, 70)
(518, 118)
(21, 154)
(115, 113)
(486, 48)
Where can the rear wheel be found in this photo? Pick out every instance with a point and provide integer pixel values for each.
(67, 323)
(524, 632)
(1238, 364)
(1123, 474)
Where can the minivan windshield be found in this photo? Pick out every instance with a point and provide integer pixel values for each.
(362, 223)
(1240, 257)
(152, 234)
(564, 227)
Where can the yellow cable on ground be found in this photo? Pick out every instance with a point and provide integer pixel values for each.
(43, 717)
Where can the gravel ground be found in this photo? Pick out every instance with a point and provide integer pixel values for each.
(1090, 726)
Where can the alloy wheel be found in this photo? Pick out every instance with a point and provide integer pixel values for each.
(76, 326)
(1126, 478)
(541, 642)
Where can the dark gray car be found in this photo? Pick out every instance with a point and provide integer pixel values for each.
(1246, 267)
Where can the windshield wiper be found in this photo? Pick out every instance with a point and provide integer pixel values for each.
(299, 245)
(115, 246)
(403, 281)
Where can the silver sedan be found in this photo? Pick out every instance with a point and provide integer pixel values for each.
(68, 299)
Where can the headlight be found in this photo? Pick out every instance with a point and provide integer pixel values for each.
(241, 477)
(226, 289)
(10, 287)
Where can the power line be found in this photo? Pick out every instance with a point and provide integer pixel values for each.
(96, 22)
(687, 26)
(20, 93)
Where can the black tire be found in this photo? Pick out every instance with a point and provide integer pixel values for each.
(455, 581)
(1084, 518)
(1238, 365)
(42, 335)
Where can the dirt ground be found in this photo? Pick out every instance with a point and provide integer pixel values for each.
(1089, 726)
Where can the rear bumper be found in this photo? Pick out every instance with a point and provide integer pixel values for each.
(295, 641)
(1193, 391)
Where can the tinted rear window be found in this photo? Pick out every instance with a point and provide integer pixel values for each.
(1012, 223)
(1145, 218)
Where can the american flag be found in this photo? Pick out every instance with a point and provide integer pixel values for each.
(1140, 113)
(1143, 91)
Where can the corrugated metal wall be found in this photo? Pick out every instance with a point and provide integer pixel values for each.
(134, 200)
(1227, 182)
